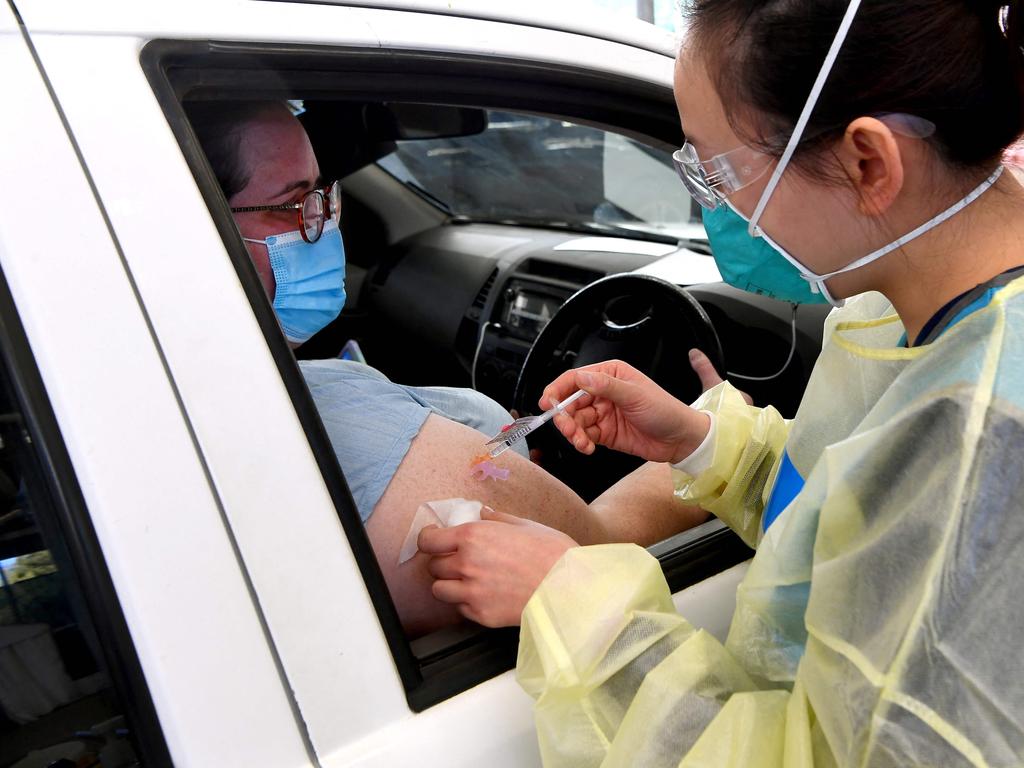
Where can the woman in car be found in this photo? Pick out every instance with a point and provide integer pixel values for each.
(851, 149)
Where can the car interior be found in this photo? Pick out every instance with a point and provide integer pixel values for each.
(518, 276)
(502, 224)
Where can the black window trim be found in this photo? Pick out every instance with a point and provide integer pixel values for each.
(639, 108)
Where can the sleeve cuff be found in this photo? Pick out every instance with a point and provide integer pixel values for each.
(701, 459)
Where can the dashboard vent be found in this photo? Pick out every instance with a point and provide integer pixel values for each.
(564, 272)
(481, 298)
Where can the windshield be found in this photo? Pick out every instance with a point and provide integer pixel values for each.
(525, 169)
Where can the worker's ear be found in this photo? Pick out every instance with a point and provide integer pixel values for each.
(871, 158)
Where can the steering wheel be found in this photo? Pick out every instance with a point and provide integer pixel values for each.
(645, 321)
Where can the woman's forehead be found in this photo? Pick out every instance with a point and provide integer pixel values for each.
(700, 107)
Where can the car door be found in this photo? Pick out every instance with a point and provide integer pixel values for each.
(356, 689)
(133, 516)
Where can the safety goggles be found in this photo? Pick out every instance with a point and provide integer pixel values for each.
(315, 207)
(711, 181)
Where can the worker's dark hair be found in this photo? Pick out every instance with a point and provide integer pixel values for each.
(218, 125)
(957, 63)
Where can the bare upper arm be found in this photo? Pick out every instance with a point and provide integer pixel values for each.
(438, 466)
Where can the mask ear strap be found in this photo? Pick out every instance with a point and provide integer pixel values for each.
(929, 225)
(805, 116)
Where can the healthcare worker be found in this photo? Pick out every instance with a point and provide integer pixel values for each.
(842, 150)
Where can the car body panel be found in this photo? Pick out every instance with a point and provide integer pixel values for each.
(193, 618)
(240, 20)
(592, 22)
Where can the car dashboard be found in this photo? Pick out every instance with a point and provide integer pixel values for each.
(462, 304)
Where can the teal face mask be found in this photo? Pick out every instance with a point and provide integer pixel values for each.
(310, 280)
(750, 263)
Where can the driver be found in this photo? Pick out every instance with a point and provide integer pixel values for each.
(399, 446)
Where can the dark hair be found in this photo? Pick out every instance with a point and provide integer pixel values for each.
(957, 63)
(218, 125)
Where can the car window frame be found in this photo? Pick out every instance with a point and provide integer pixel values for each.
(640, 108)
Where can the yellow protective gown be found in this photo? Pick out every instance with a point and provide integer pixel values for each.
(879, 620)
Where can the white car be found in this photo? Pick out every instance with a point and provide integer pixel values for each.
(186, 580)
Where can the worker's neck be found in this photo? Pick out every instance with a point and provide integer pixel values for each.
(979, 243)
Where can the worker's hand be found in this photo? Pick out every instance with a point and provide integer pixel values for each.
(489, 570)
(625, 410)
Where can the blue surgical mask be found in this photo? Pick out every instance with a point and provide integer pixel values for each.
(310, 280)
(750, 263)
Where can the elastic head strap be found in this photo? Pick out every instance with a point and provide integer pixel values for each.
(805, 116)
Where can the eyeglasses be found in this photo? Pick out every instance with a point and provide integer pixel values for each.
(710, 182)
(315, 207)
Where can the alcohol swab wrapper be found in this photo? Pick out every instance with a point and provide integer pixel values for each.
(446, 513)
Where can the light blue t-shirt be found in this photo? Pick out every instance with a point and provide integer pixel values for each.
(371, 421)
